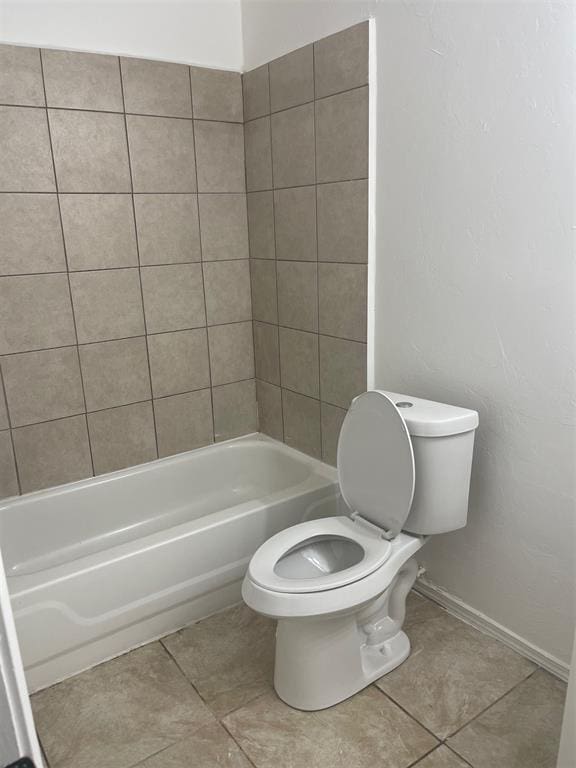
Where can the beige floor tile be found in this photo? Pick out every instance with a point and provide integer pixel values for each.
(521, 731)
(228, 657)
(118, 713)
(364, 731)
(442, 757)
(210, 747)
(453, 671)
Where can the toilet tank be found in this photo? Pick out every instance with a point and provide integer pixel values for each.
(442, 440)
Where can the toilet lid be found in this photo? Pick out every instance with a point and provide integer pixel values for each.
(376, 462)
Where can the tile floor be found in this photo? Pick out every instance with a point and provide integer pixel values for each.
(203, 698)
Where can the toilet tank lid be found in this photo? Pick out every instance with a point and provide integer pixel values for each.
(426, 418)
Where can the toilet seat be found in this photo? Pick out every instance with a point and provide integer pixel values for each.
(375, 550)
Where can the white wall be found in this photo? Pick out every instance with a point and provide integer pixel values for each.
(475, 289)
(203, 32)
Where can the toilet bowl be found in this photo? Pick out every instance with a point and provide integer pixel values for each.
(338, 585)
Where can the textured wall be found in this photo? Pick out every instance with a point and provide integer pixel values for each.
(125, 314)
(475, 270)
(306, 138)
(207, 33)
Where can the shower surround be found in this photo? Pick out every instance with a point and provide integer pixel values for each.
(129, 306)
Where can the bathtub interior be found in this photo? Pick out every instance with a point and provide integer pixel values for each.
(92, 516)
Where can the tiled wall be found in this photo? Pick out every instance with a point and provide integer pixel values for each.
(306, 139)
(125, 310)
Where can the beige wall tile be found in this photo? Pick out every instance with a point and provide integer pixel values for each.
(82, 80)
(184, 422)
(234, 410)
(299, 361)
(256, 91)
(342, 370)
(342, 136)
(269, 409)
(115, 373)
(298, 295)
(178, 362)
(341, 60)
(216, 94)
(292, 79)
(267, 352)
(122, 437)
(52, 453)
(301, 423)
(26, 158)
(261, 225)
(156, 87)
(231, 352)
(21, 76)
(30, 235)
(43, 385)
(35, 313)
(4, 423)
(90, 152)
(220, 156)
(224, 226)
(99, 231)
(293, 147)
(343, 221)
(8, 478)
(227, 286)
(342, 292)
(161, 154)
(168, 230)
(264, 295)
(173, 297)
(331, 419)
(295, 220)
(107, 304)
(258, 154)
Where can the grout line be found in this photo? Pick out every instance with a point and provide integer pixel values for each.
(123, 338)
(123, 193)
(137, 239)
(119, 112)
(231, 735)
(410, 715)
(10, 430)
(489, 706)
(150, 399)
(190, 192)
(305, 103)
(275, 260)
(71, 298)
(423, 757)
(123, 267)
(202, 262)
(453, 751)
(317, 253)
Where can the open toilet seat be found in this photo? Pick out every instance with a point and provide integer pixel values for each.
(318, 555)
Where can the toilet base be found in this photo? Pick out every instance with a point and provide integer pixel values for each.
(322, 661)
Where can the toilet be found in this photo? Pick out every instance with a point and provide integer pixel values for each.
(338, 585)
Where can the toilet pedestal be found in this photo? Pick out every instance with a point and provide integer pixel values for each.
(320, 662)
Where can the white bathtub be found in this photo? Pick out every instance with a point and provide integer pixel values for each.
(100, 566)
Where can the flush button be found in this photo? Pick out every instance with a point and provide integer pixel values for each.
(404, 405)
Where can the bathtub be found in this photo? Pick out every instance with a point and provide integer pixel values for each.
(101, 566)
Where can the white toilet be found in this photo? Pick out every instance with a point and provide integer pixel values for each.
(338, 585)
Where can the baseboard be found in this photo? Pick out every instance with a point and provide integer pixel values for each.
(479, 621)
